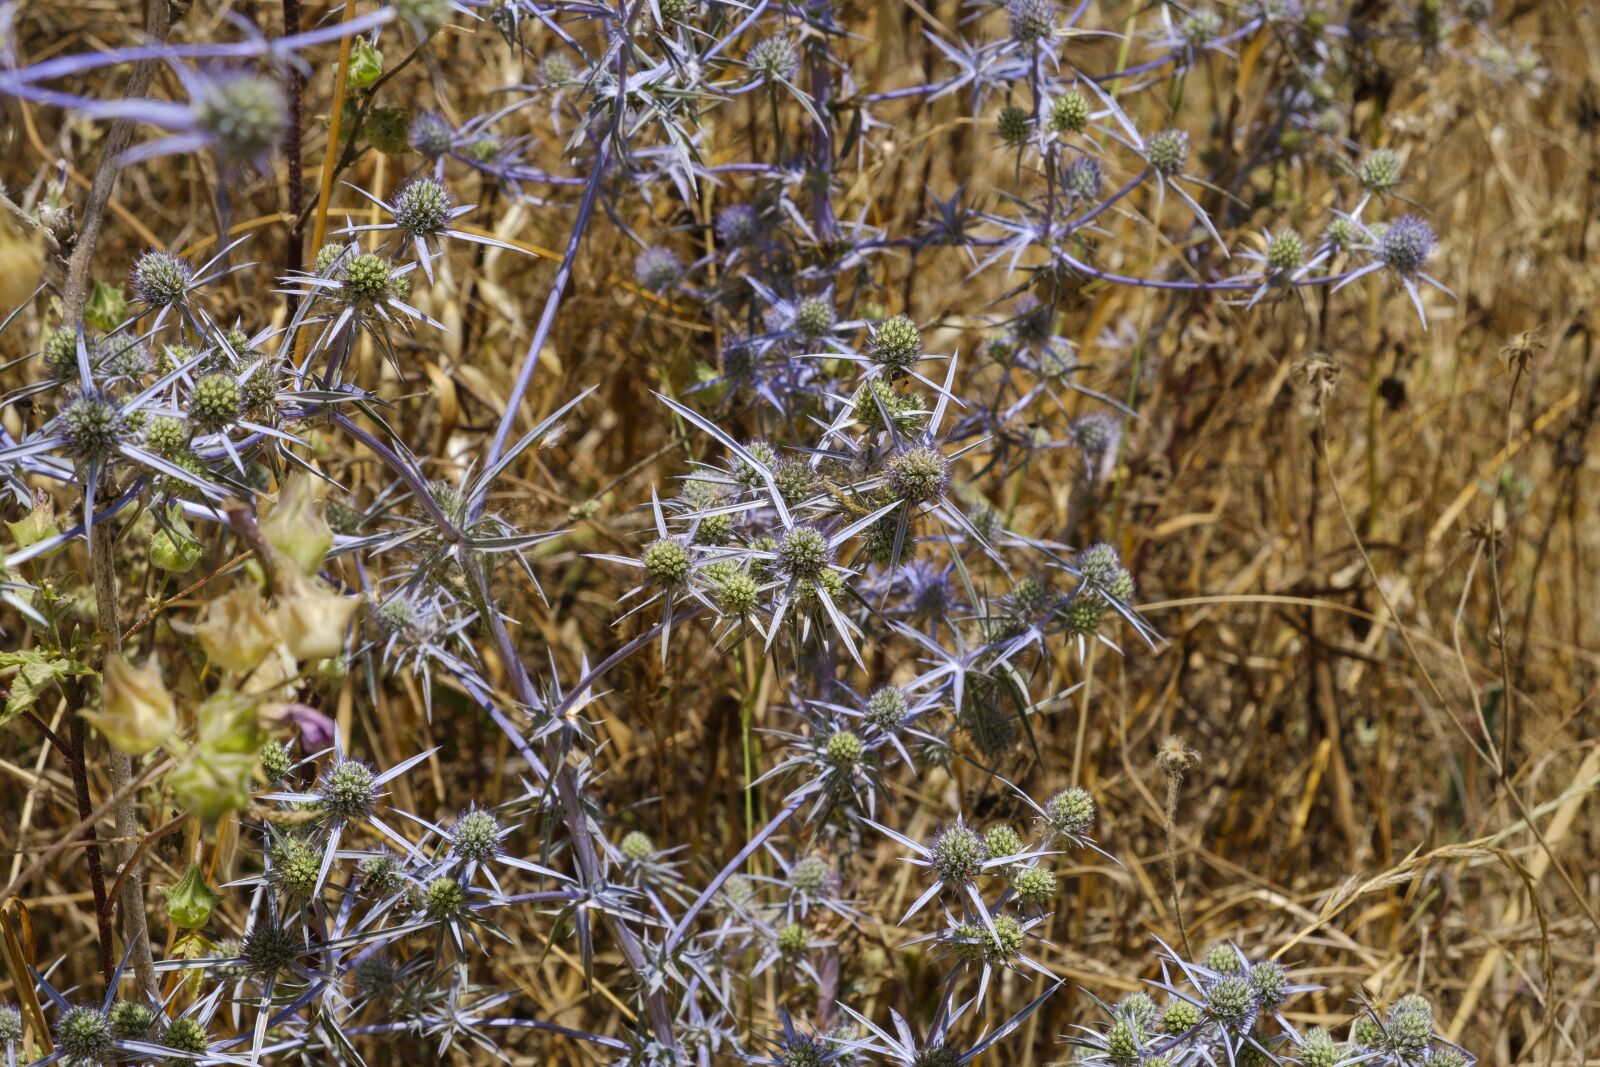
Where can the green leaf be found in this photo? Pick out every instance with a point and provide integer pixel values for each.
(37, 671)
(107, 307)
(385, 129)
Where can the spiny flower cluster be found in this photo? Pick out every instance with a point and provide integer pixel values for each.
(837, 521)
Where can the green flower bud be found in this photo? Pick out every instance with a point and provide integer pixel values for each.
(366, 64)
(190, 901)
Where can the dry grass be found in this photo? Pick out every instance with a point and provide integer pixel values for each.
(1394, 738)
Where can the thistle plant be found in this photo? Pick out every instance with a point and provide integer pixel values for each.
(293, 601)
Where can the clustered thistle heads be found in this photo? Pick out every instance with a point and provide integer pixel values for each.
(1226, 1008)
(849, 536)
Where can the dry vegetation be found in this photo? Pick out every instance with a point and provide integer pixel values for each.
(1367, 744)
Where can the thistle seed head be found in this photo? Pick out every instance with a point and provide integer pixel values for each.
(1071, 813)
(161, 279)
(896, 344)
(476, 836)
(1167, 152)
(886, 709)
(1031, 20)
(1035, 886)
(1405, 245)
(636, 846)
(244, 114)
(348, 790)
(268, 949)
(657, 268)
(957, 854)
(215, 403)
(84, 1035)
(666, 563)
(804, 553)
(422, 207)
(444, 898)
